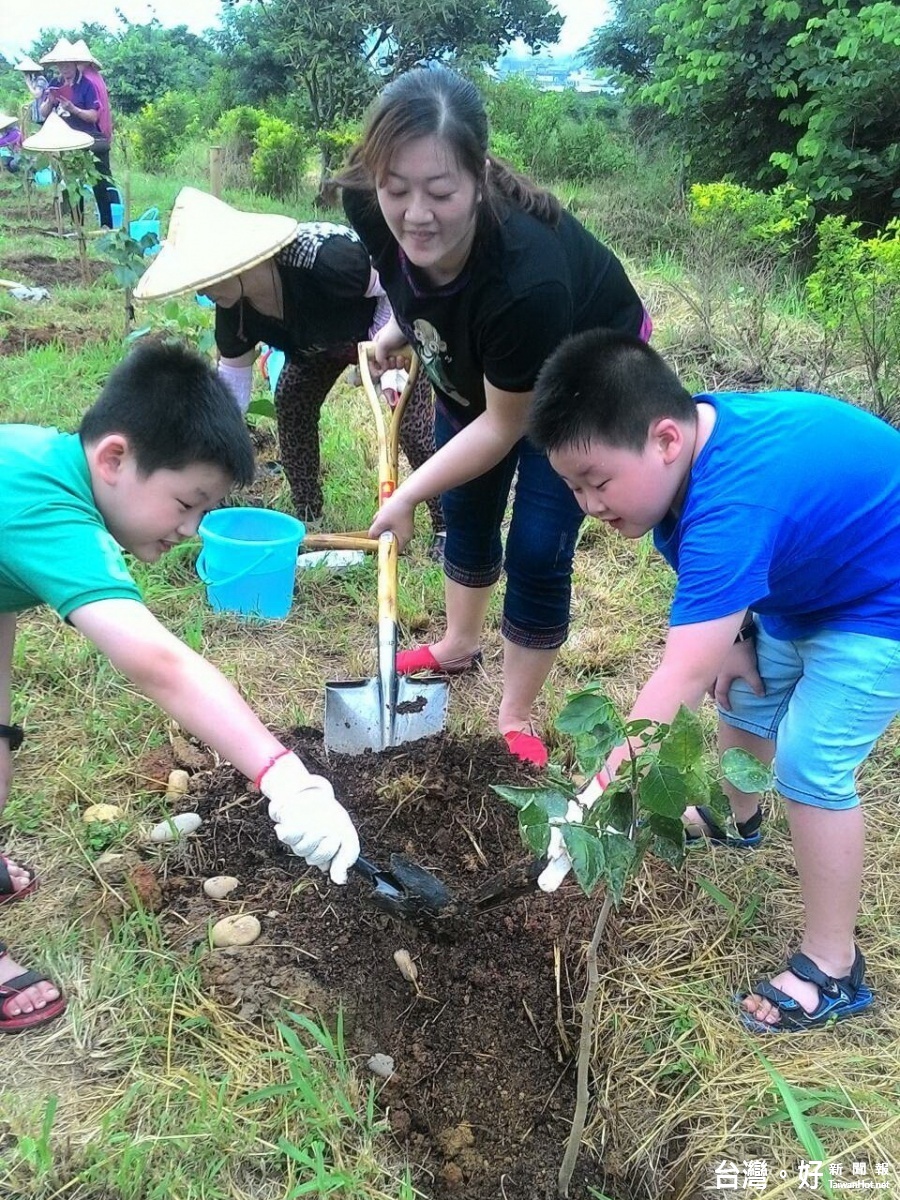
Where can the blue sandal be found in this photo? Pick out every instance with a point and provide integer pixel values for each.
(838, 998)
(749, 832)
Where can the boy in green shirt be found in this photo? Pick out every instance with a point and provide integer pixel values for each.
(163, 445)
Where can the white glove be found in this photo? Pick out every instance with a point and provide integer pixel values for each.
(239, 381)
(308, 818)
(559, 864)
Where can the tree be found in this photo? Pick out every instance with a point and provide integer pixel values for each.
(342, 52)
(626, 44)
(763, 88)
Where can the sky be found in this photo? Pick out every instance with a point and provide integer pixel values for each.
(22, 22)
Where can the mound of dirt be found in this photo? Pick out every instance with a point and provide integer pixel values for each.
(40, 270)
(483, 1042)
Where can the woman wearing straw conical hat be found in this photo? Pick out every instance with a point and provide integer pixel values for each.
(81, 99)
(305, 288)
(36, 82)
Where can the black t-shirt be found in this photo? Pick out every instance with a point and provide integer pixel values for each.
(325, 274)
(526, 287)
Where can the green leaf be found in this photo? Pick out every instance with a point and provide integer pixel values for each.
(586, 851)
(592, 712)
(535, 829)
(621, 857)
(745, 772)
(682, 744)
(551, 801)
(661, 789)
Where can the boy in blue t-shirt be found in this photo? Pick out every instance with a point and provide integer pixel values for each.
(163, 445)
(780, 512)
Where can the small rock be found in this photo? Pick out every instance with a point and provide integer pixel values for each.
(453, 1141)
(381, 1065)
(406, 966)
(101, 812)
(175, 827)
(219, 886)
(236, 931)
(177, 784)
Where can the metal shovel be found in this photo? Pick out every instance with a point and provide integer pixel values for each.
(373, 714)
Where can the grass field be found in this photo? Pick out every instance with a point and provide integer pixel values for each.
(149, 1089)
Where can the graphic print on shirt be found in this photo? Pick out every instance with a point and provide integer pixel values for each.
(431, 346)
(311, 236)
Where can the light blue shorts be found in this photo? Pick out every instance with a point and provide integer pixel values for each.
(829, 697)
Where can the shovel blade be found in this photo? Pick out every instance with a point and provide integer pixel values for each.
(358, 719)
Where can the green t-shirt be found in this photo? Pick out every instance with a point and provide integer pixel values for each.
(54, 546)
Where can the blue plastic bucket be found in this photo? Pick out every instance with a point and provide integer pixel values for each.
(248, 560)
(274, 366)
(147, 222)
(44, 177)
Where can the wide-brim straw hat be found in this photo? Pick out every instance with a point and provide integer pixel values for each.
(82, 54)
(208, 241)
(29, 65)
(56, 135)
(6, 120)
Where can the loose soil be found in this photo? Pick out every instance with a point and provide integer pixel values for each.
(18, 340)
(483, 1046)
(41, 270)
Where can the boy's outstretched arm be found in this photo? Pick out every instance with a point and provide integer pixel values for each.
(202, 701)
(691, 662)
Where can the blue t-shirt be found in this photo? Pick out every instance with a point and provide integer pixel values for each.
(792, 510)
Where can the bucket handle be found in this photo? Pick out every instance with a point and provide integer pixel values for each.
(204, 575)
(152, 214)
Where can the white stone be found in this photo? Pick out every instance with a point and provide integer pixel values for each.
(235, 931)
(176, 827)
(177, 784)
(219, 886)
(381, 1065)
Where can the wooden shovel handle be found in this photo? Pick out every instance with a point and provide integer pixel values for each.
(339, 541)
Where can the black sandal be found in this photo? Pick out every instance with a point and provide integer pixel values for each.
(750, 833)
(838, 998)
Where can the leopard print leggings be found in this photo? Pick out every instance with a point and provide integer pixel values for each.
(303, 385)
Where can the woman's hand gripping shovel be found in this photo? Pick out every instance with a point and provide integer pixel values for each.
(373, 714)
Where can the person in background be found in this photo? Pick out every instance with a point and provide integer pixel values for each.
(10, 141)
(780, 513)
(306, 288)
(162, 446)
(36, 82)
(81, 98)
(486, 275)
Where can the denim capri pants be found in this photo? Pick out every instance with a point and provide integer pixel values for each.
(540, 544)
(829, 697)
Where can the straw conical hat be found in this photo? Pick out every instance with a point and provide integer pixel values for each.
(6, 120)
(81, 54)
(55, 135)
(208, 241)
(29, 65)
(61, 52)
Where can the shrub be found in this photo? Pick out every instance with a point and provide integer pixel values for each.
(774, 221)
(854, 292)
(278, 162)
(159, 127)
(237, 128)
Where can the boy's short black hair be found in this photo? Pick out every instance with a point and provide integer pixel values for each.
(174, 410)
(607, 386)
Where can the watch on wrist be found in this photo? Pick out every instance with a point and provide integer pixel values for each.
(14, 734)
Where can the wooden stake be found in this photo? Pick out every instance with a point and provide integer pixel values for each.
(215, 171)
